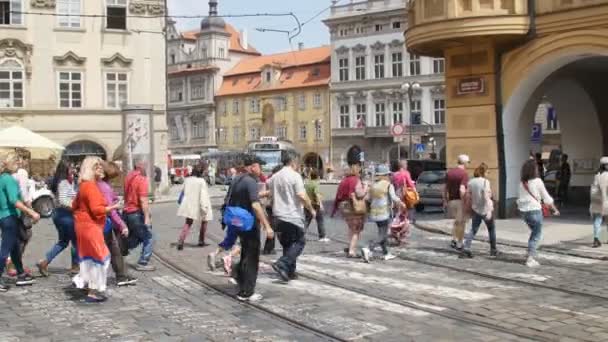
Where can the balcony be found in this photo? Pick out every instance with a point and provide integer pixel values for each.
(440, 23)
(347, 132)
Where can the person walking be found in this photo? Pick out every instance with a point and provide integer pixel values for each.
(314, 194)
(455, 188)
(564, 176)
(62, 187)
(137, 214)
(382, 197)
(115, 229)
(244, 194)
(90, 211)
(266, 201)
(196, 205)
(482, 208)
(532, 196)
(11, 209)
(599, 200)
(351, 188)
(402, 181)
(288, 201)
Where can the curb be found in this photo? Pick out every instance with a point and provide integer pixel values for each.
(515, 244)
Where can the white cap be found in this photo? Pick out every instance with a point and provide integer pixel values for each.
(603, 160)
(463, 159)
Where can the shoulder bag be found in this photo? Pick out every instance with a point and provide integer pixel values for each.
(544, 207)
(410, 197)
(236, 217)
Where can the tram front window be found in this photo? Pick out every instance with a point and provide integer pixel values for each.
(271, 158)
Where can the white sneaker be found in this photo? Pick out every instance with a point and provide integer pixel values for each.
(233, 281)
(389, 256)
(253, 298)
(367, 254)
(324, 240)
(211, 261)
(531, 262)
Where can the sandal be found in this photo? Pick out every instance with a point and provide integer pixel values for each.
(43, 269)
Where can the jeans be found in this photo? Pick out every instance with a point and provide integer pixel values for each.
(597, 225)
(116, 259)
(247, 268)
(382, 237)
(490, 224)
(293, 240)
(10, 244)
(320, 221)
(534, 220)
(140, 233)
(64, 223)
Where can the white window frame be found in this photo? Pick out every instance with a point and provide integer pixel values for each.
(302, 101)
(439, 111)
(71, 17)
(397, 64)
(343, 69)
(415, 108)
(118, 4)
(281, 132)
(344, 119)
(379, 27)
(236, 107)
(254, 133)
(303, 132)
(379, 66)
(16, 19)
(415, 65)
(397, 112)
(171, 90)
(117, 84)
(438, 66)
(198, 130)
(236, 135)
(360, 68)
(11, 82)
(318, 131)
(317, 101)
(70, 82)
(380, 114)
(282, 103)
(254, 105)
(203, 94)
(396, 23)
(361, 111)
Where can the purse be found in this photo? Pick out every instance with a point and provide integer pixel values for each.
(25, 227)
(359, 205)
(544, 207)
(411, 197)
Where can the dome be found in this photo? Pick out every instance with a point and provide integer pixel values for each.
(213, 23)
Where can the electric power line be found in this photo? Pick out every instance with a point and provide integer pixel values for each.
(316, 15)
(153, 16)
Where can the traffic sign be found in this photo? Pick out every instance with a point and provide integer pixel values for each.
(397, 130)
(420, 148)
(398, 138)
(537, 133)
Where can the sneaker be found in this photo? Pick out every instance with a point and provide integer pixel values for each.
(454, 244)
(367, 254)
(493, 253)
(389, 256)
(324, 240)
(145, 268)
(74, 270)
(180, 246)
(125, 281)
(233, 281)
(24, 280)
(253, 298)
(43, 268)
(3, 286)
(466, 255)
(596, 243)
(531, 262)
(282, 273)
(227, 263)
(95, 299)
(211, 261)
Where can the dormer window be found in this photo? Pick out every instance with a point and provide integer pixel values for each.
(316, 72)
(268, 76)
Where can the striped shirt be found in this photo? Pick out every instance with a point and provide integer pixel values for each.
(65, 194)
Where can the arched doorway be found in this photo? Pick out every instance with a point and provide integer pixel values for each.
(268, 120)
(572, 84)
(314, 161)
(78, 150)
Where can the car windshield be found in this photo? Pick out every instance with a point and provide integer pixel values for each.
(271, 158)
(432, 177)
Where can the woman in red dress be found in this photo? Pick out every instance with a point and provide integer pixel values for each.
(90, 212)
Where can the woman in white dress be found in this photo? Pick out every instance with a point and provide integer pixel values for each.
(195, 205)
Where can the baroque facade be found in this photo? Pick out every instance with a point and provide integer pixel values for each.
(197, 60)
(67, 76)
(369, 64)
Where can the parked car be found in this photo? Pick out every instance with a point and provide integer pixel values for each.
(418, 166)
(430, 188)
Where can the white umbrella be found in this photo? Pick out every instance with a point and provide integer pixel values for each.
(19, 137)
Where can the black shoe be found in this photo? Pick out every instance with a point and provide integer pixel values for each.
(282, 273)
(180, 246)
(454, 244)
(493, 253)
(466, 255)
(3, 286)
(293, 276)
(596, 243)
(24, 280)
(202, 244)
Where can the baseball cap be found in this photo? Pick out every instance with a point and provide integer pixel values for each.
(250, 159)
(463, 159)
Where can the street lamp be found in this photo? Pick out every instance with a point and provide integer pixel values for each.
(410, 88)
(317, 123)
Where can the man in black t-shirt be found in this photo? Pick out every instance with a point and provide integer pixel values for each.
(245, 195)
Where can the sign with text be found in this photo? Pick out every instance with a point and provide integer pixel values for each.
(471, 85)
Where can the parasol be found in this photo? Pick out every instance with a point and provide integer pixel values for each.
(20, 137)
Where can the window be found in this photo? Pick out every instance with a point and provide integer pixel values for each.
(397, 112)
(318, 131)
(254, 133)
(379, 27)
(197, 88)
(117, 89)
(172, 58)
(204, 53)
(343, 32)
(361, 114)
(254, 105)
(396, 24)
(380, 115)
(414, 65)
(379, 66)
(360, 68)
(303, 133)
(343, 66)
(344, 116)
(70, 89)
(176, 91)
(116, 12)
(282, 104)
(235, 107)
(236, 135)
(360, 30)
(416, 114)
(173, 133)
(221, 53)
(397, 64)
(316, 100)
(302, 101)
(439, 111)
(268, 76)
(68, 12)
(281, 132)
(198, 129)
(7, 12)
(224, 108)
(438, 66)
(223, 135)
(11, 88)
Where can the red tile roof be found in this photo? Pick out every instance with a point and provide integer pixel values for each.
(282, 60)
(235, 40)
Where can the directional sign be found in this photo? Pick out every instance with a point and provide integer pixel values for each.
(420, 148)
(397, 130)
(537, 133)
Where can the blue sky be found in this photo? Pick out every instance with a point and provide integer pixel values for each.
(314, 33)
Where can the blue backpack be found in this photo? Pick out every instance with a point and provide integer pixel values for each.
(236, 217)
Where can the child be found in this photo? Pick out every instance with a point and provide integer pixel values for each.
(400, 227)
(225, 246)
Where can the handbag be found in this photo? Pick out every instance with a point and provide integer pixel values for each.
(25, 227)
(546, 210)
(359, 205)
(411, 197)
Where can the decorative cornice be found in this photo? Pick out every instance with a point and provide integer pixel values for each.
(342, 50)
(359, 48)
(69, 56)
(137, 7)
(151, 7)
(117, 57)
(395, 43)
(378, 45)
(360, 95)
(16, 49)
(42, 3)
(342, 97)
(440, 89)
(378, 94)
(156, 9)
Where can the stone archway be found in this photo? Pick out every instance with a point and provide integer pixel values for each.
(78, 150)
(268, 120)
(313, 161)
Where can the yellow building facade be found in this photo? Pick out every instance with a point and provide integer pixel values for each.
(503, 59)
(284, 96)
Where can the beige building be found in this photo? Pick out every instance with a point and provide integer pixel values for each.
(66, 76)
